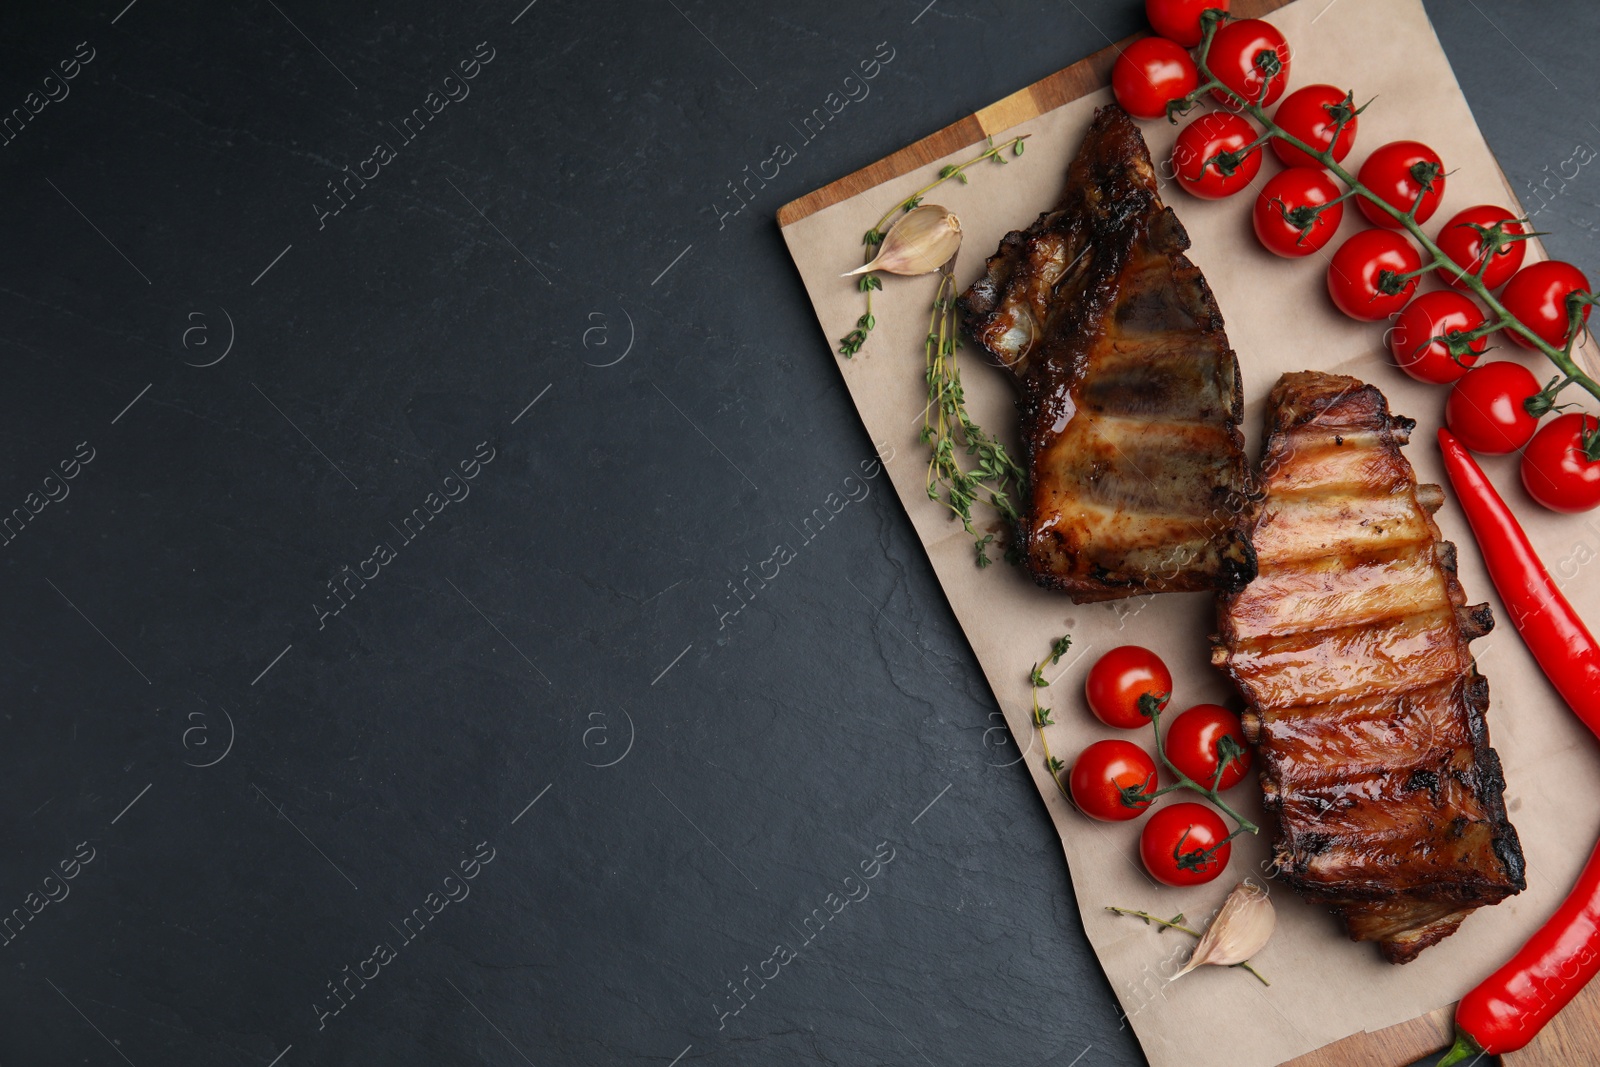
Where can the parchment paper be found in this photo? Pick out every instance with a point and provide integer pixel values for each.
(1278, 317)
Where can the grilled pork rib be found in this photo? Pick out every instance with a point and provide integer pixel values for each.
(1130, 398)
(1367, 708)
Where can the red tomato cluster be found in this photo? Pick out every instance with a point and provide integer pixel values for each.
(1312, 114)
(1462, 240)
(1214, 155)
(1115, 780)
(1495, 408)
(1557, 468)
(1151, 72)
(1364, 273)
(1298, 212)
(1374, 274)
(1405, 175)
(1420, 339)
(1487, 410)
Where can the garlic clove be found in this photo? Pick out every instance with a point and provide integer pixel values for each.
(1241, 929)
(922, 241)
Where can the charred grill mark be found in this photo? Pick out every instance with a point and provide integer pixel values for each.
(1421, 779)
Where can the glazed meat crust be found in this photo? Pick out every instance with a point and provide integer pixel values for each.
(1365, 703)
(1130, 397)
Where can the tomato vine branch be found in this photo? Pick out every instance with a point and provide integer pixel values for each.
(1494, 237)
(1151, 705)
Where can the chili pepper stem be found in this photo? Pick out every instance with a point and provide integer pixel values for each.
(1459, 1051)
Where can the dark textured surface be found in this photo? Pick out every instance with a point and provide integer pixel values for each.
(573, 610)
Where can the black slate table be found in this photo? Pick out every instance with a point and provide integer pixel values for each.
(398, 411)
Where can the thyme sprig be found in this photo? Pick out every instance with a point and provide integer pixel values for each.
(1041, 714)
(966, 464)
(1176, 923)
(1494, 237)
(851, 342)
(989, 474)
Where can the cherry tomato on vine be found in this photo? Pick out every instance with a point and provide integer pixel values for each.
(1150, 72)
(1312, 113)
(1179, 20)
(1108, 779)
(1119, 678)
(1247, 54)
(1194, 155)
(1464, 245)
(1398, 173)
(1559, 467)
(1197, 736)
(1414, 340)
(1537, 295)
(1183, 844)
(1485, 409)
(1283, 217)
(1354, 274)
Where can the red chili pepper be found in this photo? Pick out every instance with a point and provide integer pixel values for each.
(1549, 627)
(1512, 1005)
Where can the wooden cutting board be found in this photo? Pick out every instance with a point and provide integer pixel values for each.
(1574, 1037)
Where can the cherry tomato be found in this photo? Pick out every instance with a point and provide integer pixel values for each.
(1485, 409)
(1556, 470)
(1195, 738)
(1353, 274)
(1179, 20)
(1464, 245)
(1247, 54)
(1537, 294)
(1119, 678)
(1107, 780)
(1280, 214)
(1311, 114)
(1413, 340)
(1398, 172)
(1150, 72)
(1214, 133)
(1177, 844)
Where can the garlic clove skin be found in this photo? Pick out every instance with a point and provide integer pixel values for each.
(1241, 929)
(920, 242)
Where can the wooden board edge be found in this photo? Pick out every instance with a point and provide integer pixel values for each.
(1395, 1045)
(1064, 86)
(953, 137)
